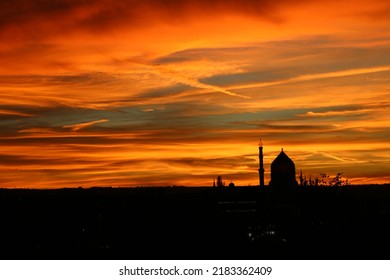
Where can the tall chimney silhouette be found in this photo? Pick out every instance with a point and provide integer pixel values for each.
(261, 164)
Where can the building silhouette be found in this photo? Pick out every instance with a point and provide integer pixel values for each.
(220, 183)
(283, 172)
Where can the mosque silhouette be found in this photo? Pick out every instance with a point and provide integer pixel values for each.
(282, 170)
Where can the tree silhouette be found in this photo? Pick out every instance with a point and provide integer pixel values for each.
(325, 180)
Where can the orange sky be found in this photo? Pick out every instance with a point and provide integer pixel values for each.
(164, 92)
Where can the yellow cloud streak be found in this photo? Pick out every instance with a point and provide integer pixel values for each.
(179, 77)
(14, 113)
(336, 113)
(311, 77)
(77, 127)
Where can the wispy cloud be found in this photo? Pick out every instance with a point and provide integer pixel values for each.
(5, 112)
(310, 77)
(79, 126)
(179, 77)
(337, 113)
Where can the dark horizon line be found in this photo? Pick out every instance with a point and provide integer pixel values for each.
(183, 186)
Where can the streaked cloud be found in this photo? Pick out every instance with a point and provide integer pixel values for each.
(337, 113)
(179, 77)
(5, 112)
(309, 77)
(78, 126)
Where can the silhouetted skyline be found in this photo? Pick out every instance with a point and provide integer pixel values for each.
(127, 93)
(196, 223)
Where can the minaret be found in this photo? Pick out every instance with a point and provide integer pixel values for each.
(261, 164)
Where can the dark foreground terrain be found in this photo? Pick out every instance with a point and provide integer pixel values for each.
(196, 223)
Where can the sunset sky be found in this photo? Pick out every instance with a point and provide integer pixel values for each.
(169, 92)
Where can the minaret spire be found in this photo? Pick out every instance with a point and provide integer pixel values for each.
(261, 165)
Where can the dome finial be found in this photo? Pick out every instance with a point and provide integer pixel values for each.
(260, 143)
